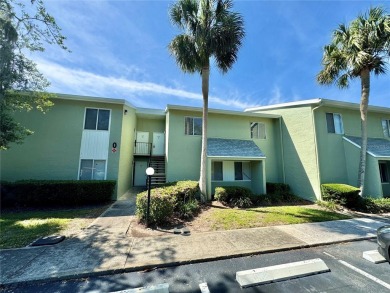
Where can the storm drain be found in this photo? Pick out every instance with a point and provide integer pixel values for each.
(281, 272)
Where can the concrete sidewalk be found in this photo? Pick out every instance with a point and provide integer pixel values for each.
(104, 248)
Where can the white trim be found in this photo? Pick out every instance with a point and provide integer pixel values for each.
(368, 152)
(320, 101)
(238, 158)
(219, 111)
(93, 99)
(284, 105)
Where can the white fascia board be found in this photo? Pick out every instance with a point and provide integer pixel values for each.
(150, 112)
(219, 111)
(238, 158)
(368, 152)
(93, 99)
(284, 105)
(325, 102)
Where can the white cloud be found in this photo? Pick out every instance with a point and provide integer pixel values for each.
(77, 81)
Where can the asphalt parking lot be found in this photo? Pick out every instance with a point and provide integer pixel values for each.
(349, 272)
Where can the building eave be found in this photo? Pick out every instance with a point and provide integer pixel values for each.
(219, 111)
(94, 99)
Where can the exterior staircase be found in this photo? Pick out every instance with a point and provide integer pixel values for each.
(158, 164)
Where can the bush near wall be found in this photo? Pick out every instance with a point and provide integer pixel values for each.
(172, 199)
(43, 193)
(343, 194)
(235, 196)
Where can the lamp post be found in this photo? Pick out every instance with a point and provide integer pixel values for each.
(149, 172)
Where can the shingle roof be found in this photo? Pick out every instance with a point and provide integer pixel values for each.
(237, 148)
(379, 147)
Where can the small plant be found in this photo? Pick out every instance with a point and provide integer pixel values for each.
(188, 209)
(241, 202)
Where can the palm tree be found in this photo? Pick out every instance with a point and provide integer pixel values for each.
(209, 30)
(356, 51)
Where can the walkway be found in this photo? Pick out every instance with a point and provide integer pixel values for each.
(104, 248)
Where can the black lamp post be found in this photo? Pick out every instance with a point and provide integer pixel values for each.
(149, 172)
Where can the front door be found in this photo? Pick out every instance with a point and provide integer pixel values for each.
(140, 173)
(142, 143)
(158, 144)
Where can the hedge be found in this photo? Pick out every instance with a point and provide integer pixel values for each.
(278, 188)
(43, 193)
(174, 198)
(341, 194)
(237, 196)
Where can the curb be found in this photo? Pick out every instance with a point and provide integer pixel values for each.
(98, 273)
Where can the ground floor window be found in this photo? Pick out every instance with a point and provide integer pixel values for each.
(217, 171)
(92, 170)
(384, 172)
(230, 171)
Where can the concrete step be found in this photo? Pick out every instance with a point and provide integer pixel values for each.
(281, 272)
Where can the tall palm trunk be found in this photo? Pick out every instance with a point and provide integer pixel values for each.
(365, 84)
(203, 159)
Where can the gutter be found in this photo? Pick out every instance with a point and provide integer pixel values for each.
(320, 104)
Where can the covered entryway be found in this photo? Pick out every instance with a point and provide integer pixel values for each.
(234, 162)
(377, 176)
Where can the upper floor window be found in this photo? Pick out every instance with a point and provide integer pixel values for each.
(257, 130)
(193, 126)
(97, 119)
(386, 127)
(334, 123)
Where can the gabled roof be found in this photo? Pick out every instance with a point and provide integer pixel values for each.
(233, 148)
(376, 147)
(319, 102)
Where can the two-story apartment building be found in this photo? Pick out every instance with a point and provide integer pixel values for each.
(321, 144)
(303, 144)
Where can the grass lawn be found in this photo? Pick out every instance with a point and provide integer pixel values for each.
(20, 228)
(221, 218)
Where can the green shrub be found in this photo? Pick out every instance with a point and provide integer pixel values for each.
(173, 198)
(374, 205)
(278, 188)
(237, 196)
(343, 194)
(43, 193)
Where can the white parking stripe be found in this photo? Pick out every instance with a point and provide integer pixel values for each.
(375, 279)
(204, 288)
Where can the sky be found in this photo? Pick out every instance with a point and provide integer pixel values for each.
(119, 49)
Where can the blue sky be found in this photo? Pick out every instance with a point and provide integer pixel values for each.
(119, 50)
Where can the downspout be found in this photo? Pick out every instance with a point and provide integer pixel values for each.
(282, 148)
(315, 146)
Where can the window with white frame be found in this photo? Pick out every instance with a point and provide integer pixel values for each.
(217, 171)
(97, 119)
(334, 123)
(384, 172)
(257, 130)
(193, 126)
(92, 170)
(386, 127)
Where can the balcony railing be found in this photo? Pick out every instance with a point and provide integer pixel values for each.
(143, 148)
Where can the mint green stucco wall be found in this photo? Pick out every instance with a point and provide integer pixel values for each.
(151, 125)
(299, 151)
(53, 151)
(339, 159)
(125, 174)
(183, 157)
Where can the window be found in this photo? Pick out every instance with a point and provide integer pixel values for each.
(384, 171)
(386, 127)
(193, 126)
(92, 170)
(217, 172)
(257, 130)
(334, 123)
(97, 119)
(238, 171)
